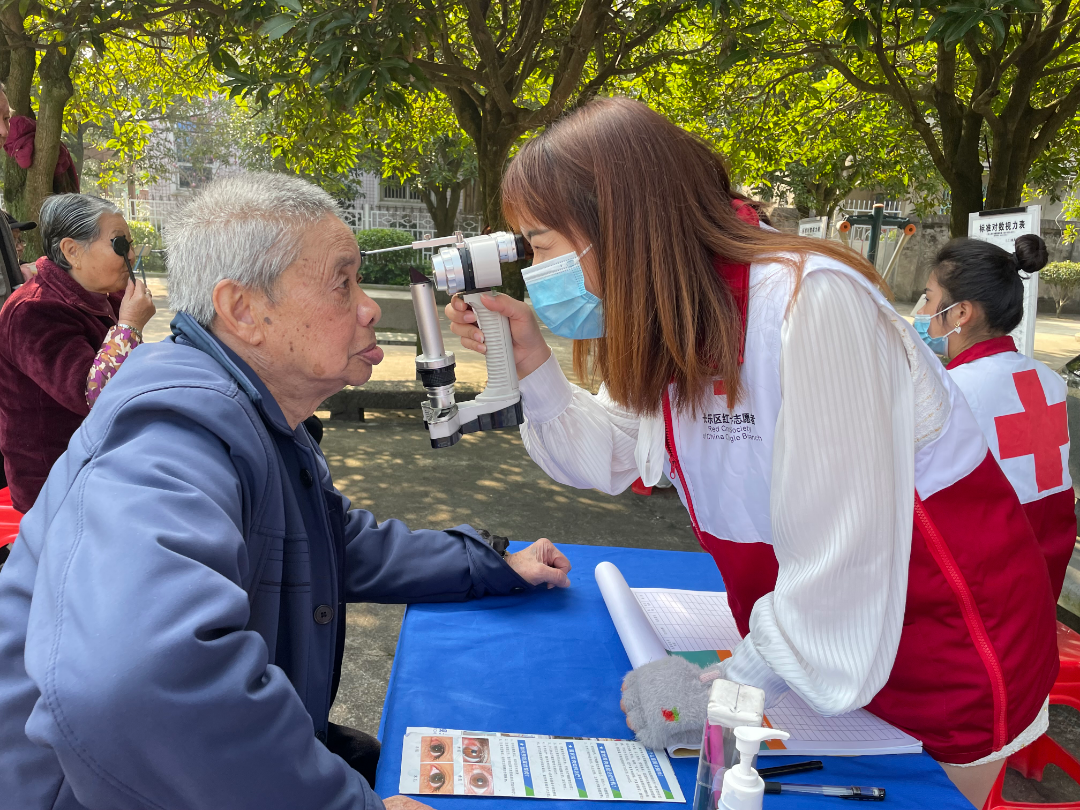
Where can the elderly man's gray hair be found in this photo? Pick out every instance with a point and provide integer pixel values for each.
(75, 216)
(245, 227)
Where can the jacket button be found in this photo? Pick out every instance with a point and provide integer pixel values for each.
(306, 478)
(324, 614)
(320, 736)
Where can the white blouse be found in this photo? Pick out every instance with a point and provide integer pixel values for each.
(857, 402)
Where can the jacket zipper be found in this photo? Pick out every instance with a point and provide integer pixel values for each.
(976, 629)
(669, 440)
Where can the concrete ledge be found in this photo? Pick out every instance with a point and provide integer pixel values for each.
(350, 403)
(396, 306)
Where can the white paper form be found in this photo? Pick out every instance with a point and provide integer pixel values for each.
(687, 621)
(701, 622)
(448, 762)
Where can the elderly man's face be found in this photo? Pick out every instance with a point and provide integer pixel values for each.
(320, 328)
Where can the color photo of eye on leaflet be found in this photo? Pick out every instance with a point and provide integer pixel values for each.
(436, 777)
(479, 781)
(475, 749)
(437, 749)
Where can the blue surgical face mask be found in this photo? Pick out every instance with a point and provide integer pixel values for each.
(557, 290)
(938, 345)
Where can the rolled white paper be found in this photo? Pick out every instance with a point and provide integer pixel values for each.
(638, 638)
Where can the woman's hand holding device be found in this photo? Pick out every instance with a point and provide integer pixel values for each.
(530, 348)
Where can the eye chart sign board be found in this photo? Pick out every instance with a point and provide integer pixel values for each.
(1001, 228)
(814, 227)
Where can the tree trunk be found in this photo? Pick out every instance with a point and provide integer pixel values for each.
(442, 204)
(491, 154)
(54, 90)
(20, 80)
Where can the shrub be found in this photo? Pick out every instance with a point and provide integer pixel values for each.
(387, 268)
(1063, 279)
(143, 233)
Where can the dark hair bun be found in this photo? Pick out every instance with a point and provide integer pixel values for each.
(1030, 251)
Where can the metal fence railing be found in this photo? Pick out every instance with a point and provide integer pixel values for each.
(415, 220)
(158, 210)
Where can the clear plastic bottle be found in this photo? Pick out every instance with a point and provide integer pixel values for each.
(730, 705)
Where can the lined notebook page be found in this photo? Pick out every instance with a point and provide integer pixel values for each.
(694, 621)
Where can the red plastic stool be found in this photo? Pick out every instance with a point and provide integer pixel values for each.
(9, 518)
(1032, 761)
(1066, 689)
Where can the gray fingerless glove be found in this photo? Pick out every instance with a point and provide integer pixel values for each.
(666, 702)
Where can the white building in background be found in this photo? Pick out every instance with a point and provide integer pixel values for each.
(380, 203)
(386, 203)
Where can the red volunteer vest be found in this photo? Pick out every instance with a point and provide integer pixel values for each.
(1020, 406)
(977, 654)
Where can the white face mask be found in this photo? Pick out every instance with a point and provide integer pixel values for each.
(557, 290)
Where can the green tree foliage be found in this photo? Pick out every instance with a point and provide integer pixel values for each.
(1063, 279)
(387, 268)
(506, 67)
(420, 143)
(40, 44)
(131, 93)
(801, 136)
(983, 84)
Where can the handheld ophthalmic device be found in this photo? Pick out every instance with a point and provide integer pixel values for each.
(470, 266)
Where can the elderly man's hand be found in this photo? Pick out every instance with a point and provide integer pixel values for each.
(541, 562)
(403, 803)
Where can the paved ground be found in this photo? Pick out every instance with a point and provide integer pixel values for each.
(386, 465)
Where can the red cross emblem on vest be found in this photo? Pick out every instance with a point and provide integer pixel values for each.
(1039, 430)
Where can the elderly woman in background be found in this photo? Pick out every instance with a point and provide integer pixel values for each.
(64, 334)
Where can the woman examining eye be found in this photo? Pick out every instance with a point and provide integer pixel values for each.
(827, 461)
(974, 300)
(64, 334)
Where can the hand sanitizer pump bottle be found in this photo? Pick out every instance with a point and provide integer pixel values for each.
(730, 705)
(743, 789)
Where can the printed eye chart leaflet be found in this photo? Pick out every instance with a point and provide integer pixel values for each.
(450, 762)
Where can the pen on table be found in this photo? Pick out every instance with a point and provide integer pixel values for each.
(862, 794)
(790, 768)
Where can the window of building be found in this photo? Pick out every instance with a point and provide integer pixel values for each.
(390, 191)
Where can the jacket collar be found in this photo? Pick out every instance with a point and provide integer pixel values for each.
(984, 348)
(189, 332)
(59, 281)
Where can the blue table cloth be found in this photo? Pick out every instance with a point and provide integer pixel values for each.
(550, 662)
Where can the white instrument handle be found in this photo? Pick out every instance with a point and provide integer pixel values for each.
(502, 381)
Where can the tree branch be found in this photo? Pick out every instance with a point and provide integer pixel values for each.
(489, 56)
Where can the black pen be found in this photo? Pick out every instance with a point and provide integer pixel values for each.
(862, 794)
(790, 768)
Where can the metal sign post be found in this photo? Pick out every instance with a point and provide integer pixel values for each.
(814, 227)
(1001, 227)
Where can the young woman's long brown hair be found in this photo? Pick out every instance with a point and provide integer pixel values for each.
(655, 202)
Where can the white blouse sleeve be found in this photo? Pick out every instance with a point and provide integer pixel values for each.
(842, 501)
(578, 439)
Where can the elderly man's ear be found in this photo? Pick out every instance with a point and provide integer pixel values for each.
(240, 312)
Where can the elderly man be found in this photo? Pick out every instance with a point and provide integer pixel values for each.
(172, 616)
